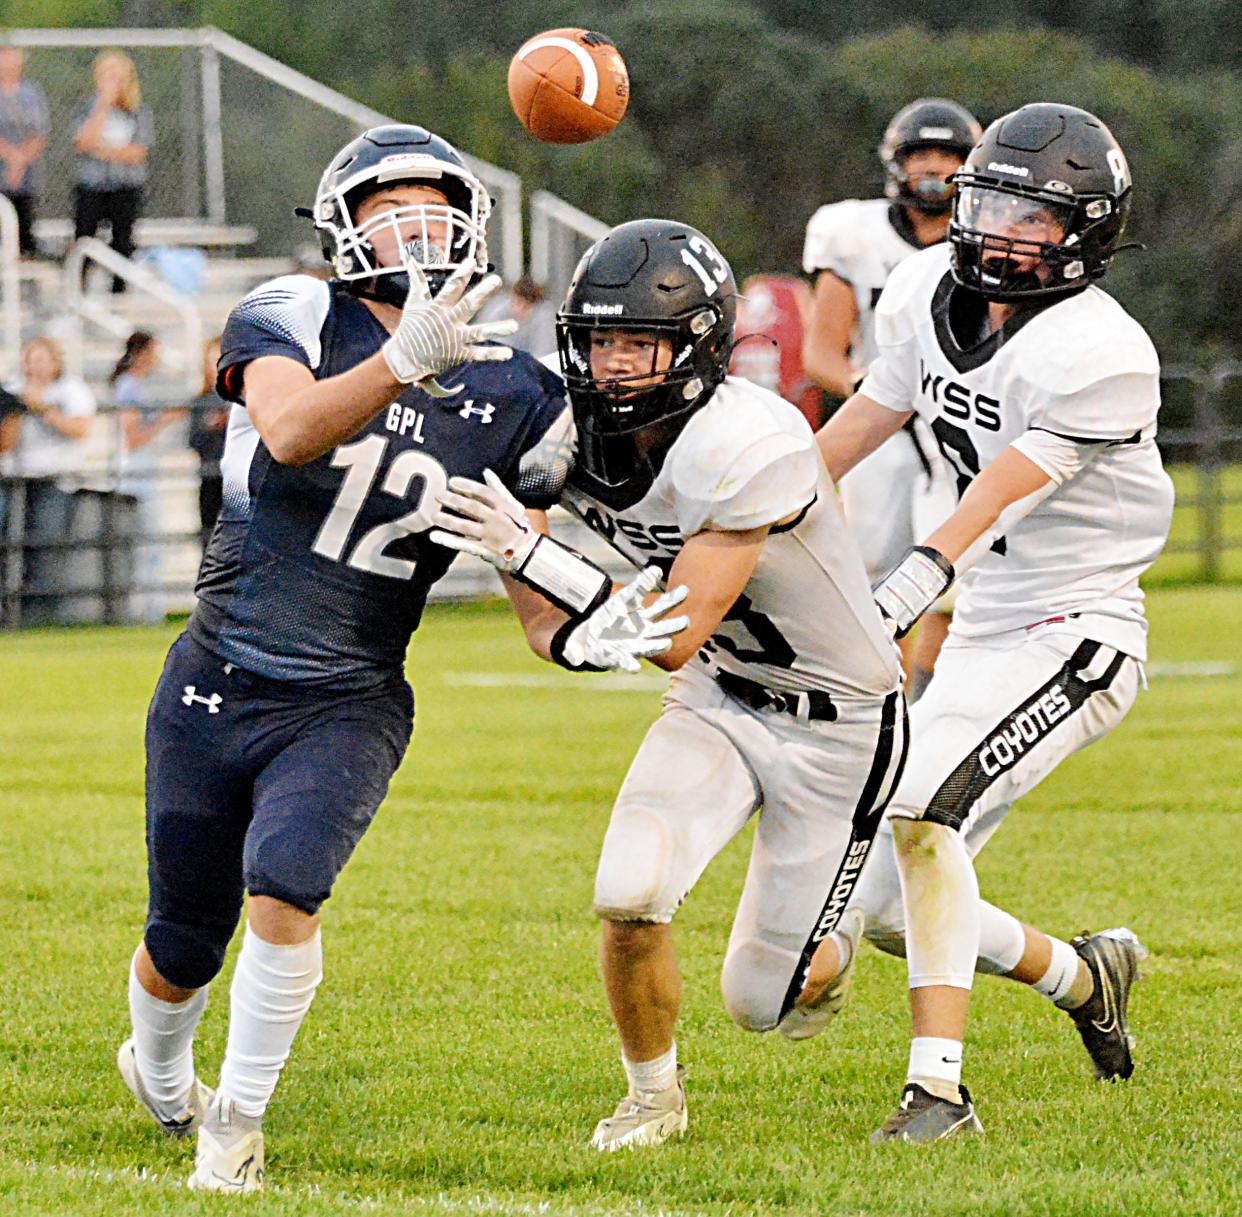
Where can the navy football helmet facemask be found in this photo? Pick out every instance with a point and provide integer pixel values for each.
(654, 279)
(930, 122)
(1046, 182)
(440, 238)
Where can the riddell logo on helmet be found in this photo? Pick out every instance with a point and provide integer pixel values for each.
(1001, 167)
(604, 310)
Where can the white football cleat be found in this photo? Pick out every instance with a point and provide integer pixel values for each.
(230, 1151)
(644, 1117)
(185, 1121)
(802, 1022)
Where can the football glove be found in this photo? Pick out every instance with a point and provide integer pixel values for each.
(912, 587)
(434, 335)
(484, 519)
(622, 630)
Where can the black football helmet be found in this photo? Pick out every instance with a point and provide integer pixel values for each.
(653, 276)
(445, 238)
(930, 122)
(1056, 173)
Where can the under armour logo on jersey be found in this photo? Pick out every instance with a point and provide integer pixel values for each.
(212, 703)
(485, 411)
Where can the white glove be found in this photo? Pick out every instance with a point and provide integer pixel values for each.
(484, 519)
(622, 631)
(912, 587)
(435, 335)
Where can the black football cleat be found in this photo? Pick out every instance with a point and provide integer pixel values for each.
(1113, 957)
(924, 1117)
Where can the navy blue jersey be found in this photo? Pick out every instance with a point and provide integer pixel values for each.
(318, 573)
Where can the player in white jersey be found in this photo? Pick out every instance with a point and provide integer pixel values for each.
(786, 686)
(903, 489)
(1043, 394)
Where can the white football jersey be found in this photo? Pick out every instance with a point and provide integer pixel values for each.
(860, 242)
(1080, 373)
(806, 620)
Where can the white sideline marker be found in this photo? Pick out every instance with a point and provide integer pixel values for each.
(586, 683)
(1202, 668)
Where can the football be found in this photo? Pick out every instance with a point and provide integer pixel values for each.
(568, 86)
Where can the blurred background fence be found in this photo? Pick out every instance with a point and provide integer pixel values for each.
(242, 137)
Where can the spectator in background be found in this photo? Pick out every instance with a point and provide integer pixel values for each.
(46, 445)
(11, 411)
(209, 418)
(112, 134)
(24, 127)
(139, 423)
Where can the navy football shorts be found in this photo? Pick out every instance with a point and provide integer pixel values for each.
(254, 785)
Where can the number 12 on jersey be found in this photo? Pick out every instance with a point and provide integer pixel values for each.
(362, 460)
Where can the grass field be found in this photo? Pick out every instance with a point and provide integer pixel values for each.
(459, 1051)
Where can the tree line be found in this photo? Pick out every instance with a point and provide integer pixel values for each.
(747, 116)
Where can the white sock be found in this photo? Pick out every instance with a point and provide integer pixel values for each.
(1001, 940)
(845, 950)
(659, 1074)
(1056, 983)
(273, 987)
(164, 1044)
(935, 1060)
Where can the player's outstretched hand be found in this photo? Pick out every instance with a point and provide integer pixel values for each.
(623, 630)
(435, 335)
(484, 519)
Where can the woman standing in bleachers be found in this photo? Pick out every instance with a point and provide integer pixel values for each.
(112, 133)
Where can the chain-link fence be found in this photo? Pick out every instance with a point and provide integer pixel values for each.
(120, 540)
(240, 138)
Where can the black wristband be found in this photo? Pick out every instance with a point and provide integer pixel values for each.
(556, 648)
(940, 560)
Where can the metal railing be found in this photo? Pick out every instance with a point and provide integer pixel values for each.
(10, 289)
(213, 115)
(559, 235)
(131, 541)
(186, 358)
(1201, 431)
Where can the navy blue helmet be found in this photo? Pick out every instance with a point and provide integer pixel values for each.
(439, 238)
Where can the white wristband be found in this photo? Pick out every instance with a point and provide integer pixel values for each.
(569, 580)
(913, 586)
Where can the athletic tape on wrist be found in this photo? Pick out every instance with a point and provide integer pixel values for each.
(569, 580)
(916, 583)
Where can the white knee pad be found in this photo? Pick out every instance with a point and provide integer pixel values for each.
(754, 981)
(941, 899)
(634, 881)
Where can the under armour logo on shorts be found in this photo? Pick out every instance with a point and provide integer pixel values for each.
(212, 703)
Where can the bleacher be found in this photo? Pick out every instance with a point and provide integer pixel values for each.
(218, 104)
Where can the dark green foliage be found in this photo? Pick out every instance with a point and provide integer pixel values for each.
(746, 116)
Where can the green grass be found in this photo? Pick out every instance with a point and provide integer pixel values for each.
(459, 1051)
(1187, 567)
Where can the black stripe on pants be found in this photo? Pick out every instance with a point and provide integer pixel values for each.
(878, 789)
(1013, 738)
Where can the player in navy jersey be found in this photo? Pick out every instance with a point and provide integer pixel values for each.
(282, 711)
